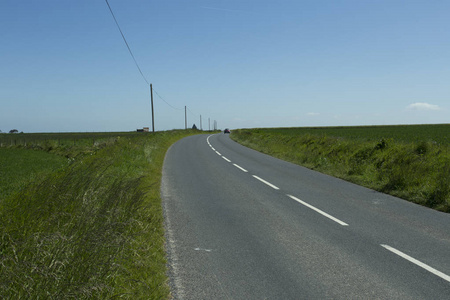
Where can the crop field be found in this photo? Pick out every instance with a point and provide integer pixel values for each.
(439, 133)
(408, 161)
(19, 167)
(81, 216)
(43, 140)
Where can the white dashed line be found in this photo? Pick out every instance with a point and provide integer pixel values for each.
(241, 168)
(391, 249)
(318, 210)
(418, 263)
(266, 182)
(277, 188)
(201, 249)
(226, 159)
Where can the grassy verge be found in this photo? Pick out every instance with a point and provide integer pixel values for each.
(391, 159)
(92, 229)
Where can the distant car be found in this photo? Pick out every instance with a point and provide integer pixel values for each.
(226, 131)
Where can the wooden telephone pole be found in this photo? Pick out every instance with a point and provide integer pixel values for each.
(153, 114)
(185, 118)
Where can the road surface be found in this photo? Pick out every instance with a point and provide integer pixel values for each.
(243, 225)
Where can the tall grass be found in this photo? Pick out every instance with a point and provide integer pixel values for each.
(416, 170)
(91, 230)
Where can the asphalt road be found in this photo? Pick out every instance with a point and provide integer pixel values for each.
(244, 225)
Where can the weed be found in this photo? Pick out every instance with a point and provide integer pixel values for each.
(382, 144)
(421, 148)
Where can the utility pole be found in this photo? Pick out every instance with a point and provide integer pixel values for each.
(209, 124)
(201, 123)
(153, 114)
(185, 117)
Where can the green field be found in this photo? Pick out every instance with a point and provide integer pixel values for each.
(83, 219)
(19, 167)
(62, 142)
(438, 133)
(407, 161)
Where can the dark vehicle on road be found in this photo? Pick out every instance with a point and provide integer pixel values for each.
(226, 130)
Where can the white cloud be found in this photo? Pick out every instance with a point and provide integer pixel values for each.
(423, 106)
(313, 114)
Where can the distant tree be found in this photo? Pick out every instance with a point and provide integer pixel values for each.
(13, 131)
(194, 127)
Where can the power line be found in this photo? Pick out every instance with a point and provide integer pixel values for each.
(123, 36)
(195, 115)
(166, 101)
(140, 71)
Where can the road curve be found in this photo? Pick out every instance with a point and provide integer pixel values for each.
(243, 225)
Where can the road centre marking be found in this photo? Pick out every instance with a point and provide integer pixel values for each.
(317, 210)
(239, 167)
(266, 182)
(418, 263)
(290, 196)
(387, 247)
(226, 158)
(201, 249)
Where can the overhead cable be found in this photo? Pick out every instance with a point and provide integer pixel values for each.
(123, 36)
(192, 112)
(166, 101)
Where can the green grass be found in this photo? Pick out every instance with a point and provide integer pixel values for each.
(434, 133)
(19, 167)
(409, 161)
(59, 138)
(93, 229)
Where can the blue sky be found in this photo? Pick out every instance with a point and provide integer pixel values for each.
(266, 63)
